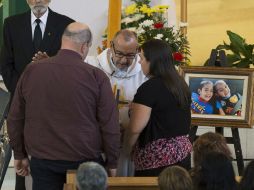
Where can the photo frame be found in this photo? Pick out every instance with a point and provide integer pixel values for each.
(221, 96)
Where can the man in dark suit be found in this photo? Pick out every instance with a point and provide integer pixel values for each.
(24, 36)
(18, 39)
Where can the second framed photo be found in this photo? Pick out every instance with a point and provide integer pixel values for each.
(220, 96)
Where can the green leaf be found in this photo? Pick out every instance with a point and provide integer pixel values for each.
(232, 58)
(225, 46)
(235, 37)
(234, 49)
(243, 63)
(238, 43)
(249, 49)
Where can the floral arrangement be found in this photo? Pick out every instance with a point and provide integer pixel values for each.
(151, 22)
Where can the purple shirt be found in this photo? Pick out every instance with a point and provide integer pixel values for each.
(64, 109)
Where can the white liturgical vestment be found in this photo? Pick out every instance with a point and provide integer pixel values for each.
(126, 83)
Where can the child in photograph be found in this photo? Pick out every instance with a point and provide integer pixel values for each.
(231, 103)
(202, 102)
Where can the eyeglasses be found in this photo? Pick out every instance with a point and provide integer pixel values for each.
(119, 54)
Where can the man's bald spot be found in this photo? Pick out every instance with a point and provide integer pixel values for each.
(126, 36)
(78, 32)
(76, 27)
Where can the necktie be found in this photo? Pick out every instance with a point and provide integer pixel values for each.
(37, 35)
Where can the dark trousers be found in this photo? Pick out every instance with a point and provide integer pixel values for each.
(20, 183)
(185, 163)
(51, 174)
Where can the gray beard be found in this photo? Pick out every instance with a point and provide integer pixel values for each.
(39, 9)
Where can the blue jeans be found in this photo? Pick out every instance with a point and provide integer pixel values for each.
(51, 174)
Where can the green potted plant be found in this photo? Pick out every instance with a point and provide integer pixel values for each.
(238, 52)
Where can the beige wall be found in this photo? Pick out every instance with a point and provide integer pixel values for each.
(210, 19)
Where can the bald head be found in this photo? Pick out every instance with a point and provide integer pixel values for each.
(78, 33)
(126, 36)
(77, 37)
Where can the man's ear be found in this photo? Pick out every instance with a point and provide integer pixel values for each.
(199, 91)
(83, 48)
(111, 44)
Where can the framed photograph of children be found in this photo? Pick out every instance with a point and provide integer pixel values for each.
(221, 96)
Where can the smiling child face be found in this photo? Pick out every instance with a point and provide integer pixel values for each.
(222, 90)
(206, 92)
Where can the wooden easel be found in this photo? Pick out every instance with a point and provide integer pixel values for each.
(218, 59)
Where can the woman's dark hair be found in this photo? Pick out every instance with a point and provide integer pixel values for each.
(247, 182)
(209, 142)
(159, 54)
(217, 173)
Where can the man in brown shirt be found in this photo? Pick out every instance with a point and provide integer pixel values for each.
(63, 113)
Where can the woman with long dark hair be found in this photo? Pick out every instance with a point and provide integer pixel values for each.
(160, 114)
(216, 173)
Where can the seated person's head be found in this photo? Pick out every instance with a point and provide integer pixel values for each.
(91, 176)
(209, 142)
(221, 89)
(205, 90)
(174, 178)
(124, 49)
(247, 181)
(216, 173)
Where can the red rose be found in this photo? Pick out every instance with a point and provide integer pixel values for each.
(178, 56)
(158, 25)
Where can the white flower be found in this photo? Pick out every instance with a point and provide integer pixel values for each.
(158, 36)
(140, 30)
(127, 20)
(147, 23)
(133, 29)
(166, 39)
(137, 17)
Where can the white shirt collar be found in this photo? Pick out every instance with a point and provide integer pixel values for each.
(43, 18)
